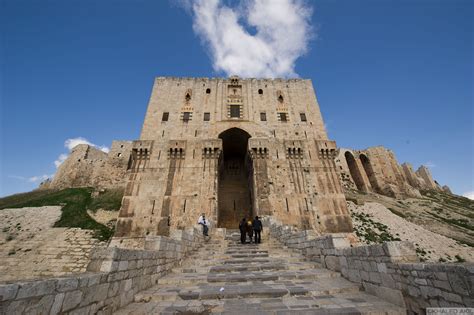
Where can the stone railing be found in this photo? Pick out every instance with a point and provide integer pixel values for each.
(114, 275)
(390, 270)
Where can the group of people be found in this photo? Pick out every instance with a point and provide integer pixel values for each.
(250, 229)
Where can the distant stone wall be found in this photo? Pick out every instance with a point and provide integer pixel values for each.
(114, 276)
(390, 270)
(376, 169)
(88, 166)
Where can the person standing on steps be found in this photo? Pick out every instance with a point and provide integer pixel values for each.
(250, 230)
(257, 229)
(202, 221)
(243, 230)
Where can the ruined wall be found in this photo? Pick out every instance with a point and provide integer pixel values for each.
(177, 164)
(87, 166)
(376, 169)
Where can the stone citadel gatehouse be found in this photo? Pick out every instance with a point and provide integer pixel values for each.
(231, 148)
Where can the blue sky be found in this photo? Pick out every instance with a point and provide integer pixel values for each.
(392, 73)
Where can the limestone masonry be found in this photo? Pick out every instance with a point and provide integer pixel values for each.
(232, 148)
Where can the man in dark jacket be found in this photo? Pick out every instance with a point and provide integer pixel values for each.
(243, 230)
(257, 229)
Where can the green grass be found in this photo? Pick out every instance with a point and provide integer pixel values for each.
(110, 199)
(371, 231)
(75, 202)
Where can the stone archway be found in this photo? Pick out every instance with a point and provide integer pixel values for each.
(234, 190)
(369, 171)
(355, 171)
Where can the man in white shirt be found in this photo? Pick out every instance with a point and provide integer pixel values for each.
(202, 220)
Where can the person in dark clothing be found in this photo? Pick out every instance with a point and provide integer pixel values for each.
(243, 230)
(257, 229)
(250, 230)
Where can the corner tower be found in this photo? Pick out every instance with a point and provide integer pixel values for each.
(231, 148)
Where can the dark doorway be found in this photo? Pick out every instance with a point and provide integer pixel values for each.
(235, 177)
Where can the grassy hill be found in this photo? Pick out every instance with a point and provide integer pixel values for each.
(75, 202)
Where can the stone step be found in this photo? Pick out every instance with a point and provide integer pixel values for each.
(255, 267)
(195, 278)
(344, 303)
(273, 289)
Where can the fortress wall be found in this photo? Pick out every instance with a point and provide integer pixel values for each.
(87, 166)
(388, 176)
(424, 173)
(177, 165)
(168, 95)
(77, 170)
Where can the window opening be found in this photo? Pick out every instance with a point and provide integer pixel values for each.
(283, 117)
(207, 116)
(208, 91)
(260, 91)
(186, 116)
(235, 111)
(303, 116)
(165, 117)
(263, 116)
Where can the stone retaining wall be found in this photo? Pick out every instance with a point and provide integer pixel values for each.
(390, 270)
(114, 276)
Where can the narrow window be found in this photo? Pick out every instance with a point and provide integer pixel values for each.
(280, 99)
(186, 116)
(260, 91)
(235, 111)
(188, 97)
(283, 117)
(165, 117)
(303, 116)
(208, 91)
(263, 116)
(207, 116)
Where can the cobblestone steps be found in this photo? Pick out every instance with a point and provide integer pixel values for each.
(232, 278)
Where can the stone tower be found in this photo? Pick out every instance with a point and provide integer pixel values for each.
(231, 148)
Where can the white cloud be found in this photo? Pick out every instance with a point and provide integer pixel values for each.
(41, 178)
(429, 164)
(469, 194)
(282, 33)
(71, 143)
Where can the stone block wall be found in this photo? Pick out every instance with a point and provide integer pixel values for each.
(114, 276)
(390, 270)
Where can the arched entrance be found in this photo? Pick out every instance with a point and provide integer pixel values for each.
(235, 174)
(369, 171)
(354, 170)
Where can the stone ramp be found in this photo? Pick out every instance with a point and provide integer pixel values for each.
(230, 278)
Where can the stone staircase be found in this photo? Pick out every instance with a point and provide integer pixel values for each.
(228, 277)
